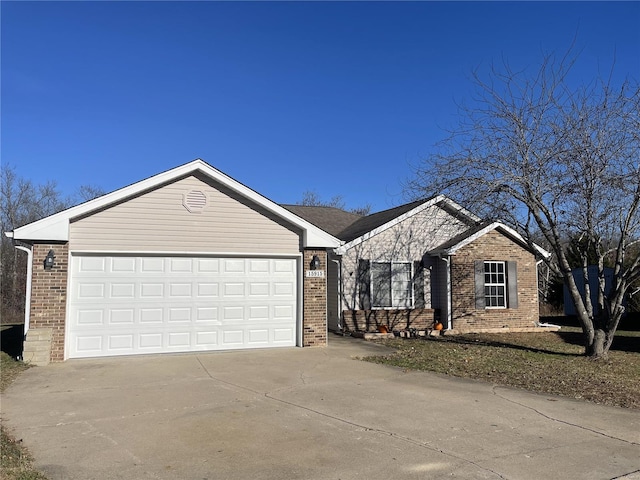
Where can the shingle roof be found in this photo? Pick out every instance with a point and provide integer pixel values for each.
(370, 222)
(332, 220)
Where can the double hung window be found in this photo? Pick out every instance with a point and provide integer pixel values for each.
(495, 285)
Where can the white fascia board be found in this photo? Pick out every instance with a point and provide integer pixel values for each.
(356, 241)
(56, 227)
(495, 225)
(460, 209)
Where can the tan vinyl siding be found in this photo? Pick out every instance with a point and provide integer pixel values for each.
(157, 221)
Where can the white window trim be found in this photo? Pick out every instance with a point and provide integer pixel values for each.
(411, 286)
(504, 285)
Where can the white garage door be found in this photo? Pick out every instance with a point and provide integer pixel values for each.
(124, 305)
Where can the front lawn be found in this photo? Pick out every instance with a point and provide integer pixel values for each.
(541, 362)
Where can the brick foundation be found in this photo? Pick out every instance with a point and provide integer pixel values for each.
(48, 305)
(370, 320)
(314, 302)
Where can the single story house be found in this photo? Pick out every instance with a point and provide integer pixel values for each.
(429, 261)
(192, 260)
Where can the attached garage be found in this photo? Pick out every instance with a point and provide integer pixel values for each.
(187, 260)
(124, 305)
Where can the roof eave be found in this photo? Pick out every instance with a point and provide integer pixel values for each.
(510, 232)
(56, 227)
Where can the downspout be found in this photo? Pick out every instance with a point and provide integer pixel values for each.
(339, 267)
(538, 279)
(447, 260)
(27, 299)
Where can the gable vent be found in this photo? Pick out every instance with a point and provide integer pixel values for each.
(195, 201)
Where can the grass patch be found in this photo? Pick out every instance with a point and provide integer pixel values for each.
(15, 461)
(550, 362)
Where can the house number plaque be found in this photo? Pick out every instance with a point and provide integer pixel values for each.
(315, 273)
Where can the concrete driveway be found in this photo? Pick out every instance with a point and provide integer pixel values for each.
(313, 413)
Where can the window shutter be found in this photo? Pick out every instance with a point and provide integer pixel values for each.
(418, 285)
(512, 285)
(479, 283)
(364, 284)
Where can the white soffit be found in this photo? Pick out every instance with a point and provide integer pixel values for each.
(56, 227)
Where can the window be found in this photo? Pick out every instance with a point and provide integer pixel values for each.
(391, 284)
(495, 285)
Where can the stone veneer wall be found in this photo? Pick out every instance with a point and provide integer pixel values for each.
(497, 247)
(48, 306)
(314, 323)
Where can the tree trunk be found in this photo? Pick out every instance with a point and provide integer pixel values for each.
(599, 348)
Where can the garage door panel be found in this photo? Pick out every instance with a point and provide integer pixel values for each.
(206, 314)
(206, 339)
(121, 342)
(122, 316)
(123, 265)
(91, 264)
(282, 267)
(232, 338)
(283, 289)
(260, 289)
(180, 290)
(181, 265)
(90, 317)
(207, 290)
(123, 305)
(89, 345)
(152, 265)
(233, 290)
(283, 335)
(259, 266)
(207, 265)
(259, 336)
(122, 290)
(233, 265)
(147, 341)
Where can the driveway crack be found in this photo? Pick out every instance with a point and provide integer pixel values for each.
(625, 475)
(494, 390)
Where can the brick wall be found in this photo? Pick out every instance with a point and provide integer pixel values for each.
(369, 320)
(314, 324)
(49, 297)
(497, 247)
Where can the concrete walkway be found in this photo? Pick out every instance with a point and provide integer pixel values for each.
(313, 413)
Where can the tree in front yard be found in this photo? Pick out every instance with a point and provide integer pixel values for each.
(557, 162)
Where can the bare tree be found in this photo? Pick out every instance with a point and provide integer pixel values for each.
(22, 202)
(311, 198)
(557, 162)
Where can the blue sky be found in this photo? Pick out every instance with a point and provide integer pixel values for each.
(336, 97)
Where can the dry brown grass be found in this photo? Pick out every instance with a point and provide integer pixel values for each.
(542, 362)
(15, 461)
